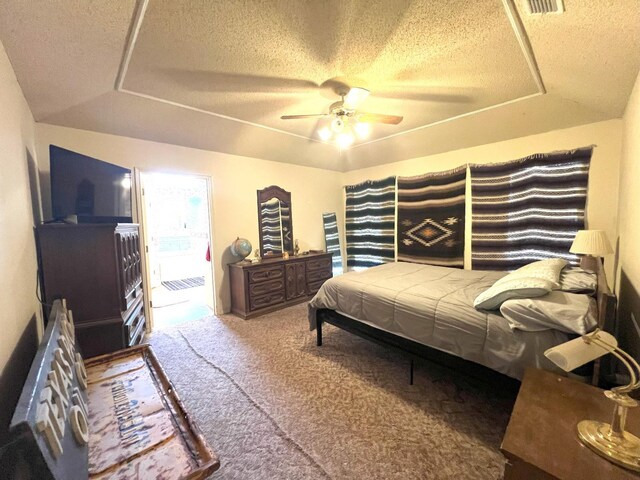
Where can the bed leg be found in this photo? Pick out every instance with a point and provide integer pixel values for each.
(319, 334)
(411, 371)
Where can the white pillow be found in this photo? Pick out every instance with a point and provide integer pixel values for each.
(546, 269)
(567, 312)
(578, 280)
(506, 288)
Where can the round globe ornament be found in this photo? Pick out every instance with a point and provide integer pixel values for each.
(241, 247)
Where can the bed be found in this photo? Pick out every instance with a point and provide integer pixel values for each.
(427, 311)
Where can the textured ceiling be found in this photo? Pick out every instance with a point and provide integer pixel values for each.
(218, 75)
(256, 61)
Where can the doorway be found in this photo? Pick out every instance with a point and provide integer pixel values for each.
(177, 230)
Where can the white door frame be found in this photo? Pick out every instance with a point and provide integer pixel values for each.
(140, 217)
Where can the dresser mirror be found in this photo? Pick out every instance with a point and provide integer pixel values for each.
(275, 225)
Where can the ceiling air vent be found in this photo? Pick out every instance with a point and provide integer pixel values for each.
(545, 6)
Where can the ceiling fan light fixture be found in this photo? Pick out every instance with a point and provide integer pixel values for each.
(337, 125)
(362, 130)
(324, 133)
(344, 140)
(344, 122)
(355, 96)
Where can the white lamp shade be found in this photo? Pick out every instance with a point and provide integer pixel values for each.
(575, 353)
(591, 242)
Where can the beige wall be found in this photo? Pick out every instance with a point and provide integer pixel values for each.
(20, 307)
(630, 190)
(236, 179)
(603, 179)
(234, 182)
(629, 226)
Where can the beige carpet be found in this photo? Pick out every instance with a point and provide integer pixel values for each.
(273, 405)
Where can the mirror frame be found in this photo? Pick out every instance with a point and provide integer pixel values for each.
(267, 194)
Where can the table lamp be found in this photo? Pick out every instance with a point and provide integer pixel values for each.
(592, 244)
(608, 440)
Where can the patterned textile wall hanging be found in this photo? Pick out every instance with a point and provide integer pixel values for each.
(271, 226)
(332, 240)
(431, 218)
(529, 209)
(285, 224)
(370, 220)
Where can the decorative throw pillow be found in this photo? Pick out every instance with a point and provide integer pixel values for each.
(545, 269)
(567, 312)
(506, 288)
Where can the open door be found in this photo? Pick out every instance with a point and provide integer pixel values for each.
(139, 217)
(174, 213)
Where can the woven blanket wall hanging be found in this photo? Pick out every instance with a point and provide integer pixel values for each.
(332, 240)
(529, 209)
(285, 224)
(431, 214)
(271, 226)
(370, 223)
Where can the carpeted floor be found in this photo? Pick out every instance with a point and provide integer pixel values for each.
(272, 405)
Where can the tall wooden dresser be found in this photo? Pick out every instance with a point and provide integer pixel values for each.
(97, 268)
(275, 283)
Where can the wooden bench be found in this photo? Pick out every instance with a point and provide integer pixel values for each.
(113, 416)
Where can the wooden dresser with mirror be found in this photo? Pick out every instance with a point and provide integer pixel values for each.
(276, 281)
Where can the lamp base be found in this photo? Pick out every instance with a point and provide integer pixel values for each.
(622, 450)
(589, 262)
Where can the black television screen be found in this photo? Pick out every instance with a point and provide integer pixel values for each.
(94, 190)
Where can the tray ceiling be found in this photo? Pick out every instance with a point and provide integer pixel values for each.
(218, 75)
(256, 61)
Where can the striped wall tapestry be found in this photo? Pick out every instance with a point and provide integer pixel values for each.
(285, 223)
(271, 226)
(431, 218)
(529, 209)
(370, 223)
(332, 240)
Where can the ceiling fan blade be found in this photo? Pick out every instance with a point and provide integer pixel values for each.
(379, 118)
(312, 115)
(355, 97)
(210, 81)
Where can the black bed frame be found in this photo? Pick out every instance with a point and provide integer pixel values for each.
(606, 303)
(413, 350)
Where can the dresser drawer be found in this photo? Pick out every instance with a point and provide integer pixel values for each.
(319, 264)
(315, 275)
(266, 273)
(264, 288)
(134, 324)
(314, 287)
(134, 296)
(137, 337)
(267, 300)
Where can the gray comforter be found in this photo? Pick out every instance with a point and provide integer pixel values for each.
(434, 306)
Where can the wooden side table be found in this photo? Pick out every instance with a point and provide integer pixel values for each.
(541, 441)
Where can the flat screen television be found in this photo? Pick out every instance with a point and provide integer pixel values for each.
(92, 190)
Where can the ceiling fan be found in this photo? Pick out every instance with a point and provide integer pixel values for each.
(347, 120)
